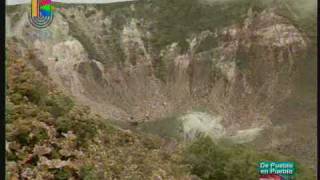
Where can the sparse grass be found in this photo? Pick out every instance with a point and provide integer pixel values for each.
(200, 109)
(243, 59)
(167, 127)
(161, 69)
(58, 105)
(88, 173)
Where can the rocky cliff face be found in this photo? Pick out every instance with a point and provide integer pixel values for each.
(248, 71)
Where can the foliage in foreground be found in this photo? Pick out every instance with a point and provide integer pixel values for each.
(48, 136)
(210, 160)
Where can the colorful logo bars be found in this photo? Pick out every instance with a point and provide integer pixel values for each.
(41, 8)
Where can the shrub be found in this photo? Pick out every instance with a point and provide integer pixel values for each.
(88, 173)
(176, 20)
(81, 124)
(62, 174)
(58, 105)
(23, 84)
(161, 70)
(22, 130)
(211, 160)
(34, 91)
(169, 127)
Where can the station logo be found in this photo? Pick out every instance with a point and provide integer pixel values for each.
(41, 15)
(277, 170)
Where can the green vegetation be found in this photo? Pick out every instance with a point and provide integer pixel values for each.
(212, 160)
(88, 173)
(176, 20)
(62, 174)
(167, 127)
(77, 120)
(161, 69)
(50, 137)
(33, 125)
(207, 44)
(58, 105)
(302, 13)
(243, 59)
